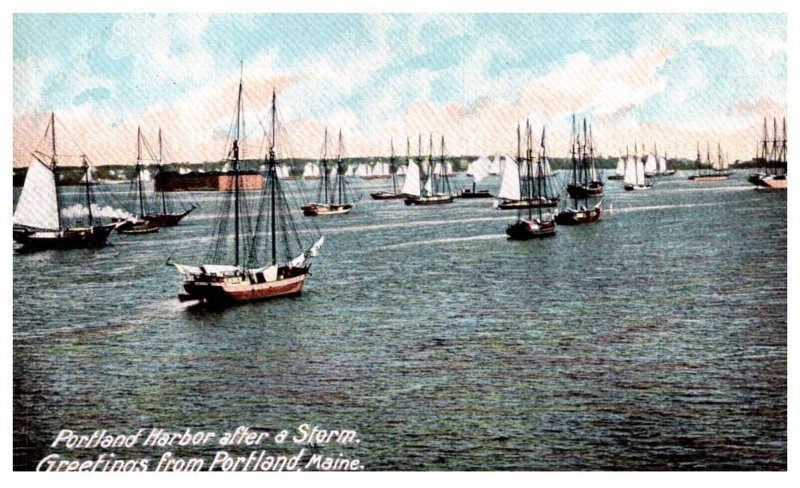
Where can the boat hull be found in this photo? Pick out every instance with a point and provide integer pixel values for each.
(475, 194)
(775, 183)
(629, 187)
(593, 189)
(167, 219)
(616, 177)
(314, 209)
(571, 216)
(528, 203)
(221, 293)
(524, 230)
(435, 200)
(707, 178)
(88, 237)
(385, 195)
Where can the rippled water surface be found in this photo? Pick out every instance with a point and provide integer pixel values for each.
(654, 339)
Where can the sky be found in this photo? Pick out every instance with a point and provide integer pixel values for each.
(663, 81)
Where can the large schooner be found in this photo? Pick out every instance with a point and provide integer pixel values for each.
(39, 220)
(156, 210)
(771, 158)
(437, 184)
(393, 194)
(540, 223)
(333, 192)
(585, 181)
(518, 187)
(250, 267)
(716, 171)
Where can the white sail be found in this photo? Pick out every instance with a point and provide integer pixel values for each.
(401, 170)
(548, 170)
(448, 167)
(662, 165)
(650, 165)
(620, 167)
(640, 172)
(429, 186)
(380, 169)
(38, 205)
(183, 170)
(146, 176)
(479, 169)
(630, 171)
(411, 184)
(509, 187)
(437, 169)
(351, 171)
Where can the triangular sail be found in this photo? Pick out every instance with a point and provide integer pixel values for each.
(38, 203)
(411, 184)
(620, 171)
(509, 187)
(630, 171)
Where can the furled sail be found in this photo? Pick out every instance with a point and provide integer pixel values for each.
(38, 203)
(509, 187)
(411, 184)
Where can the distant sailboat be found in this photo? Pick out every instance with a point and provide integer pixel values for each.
(333, 193)
(635, 176)
(717, 171)
(437, 184)
(249, 274)
(311, 172)
(392, 169)
(619, 172)
(585, 181)
(771, 159)
(38, 220)
(663, 169)
(518, 179)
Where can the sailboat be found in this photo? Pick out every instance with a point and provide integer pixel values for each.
(38, 220)
(285, 173)
(541, 223)
(311, 172)
(332, 195)
(437, 184)
(478, 170)
(619, 172)
(249, 274)
(772, 160)
(577, 213)
(663, 170)
(635, 176)
(585, 181)
(518, 178)
(717, 171)
(392, 170)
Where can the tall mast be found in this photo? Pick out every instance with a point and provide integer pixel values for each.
(88, 190)
(431, 174)
(139, 168)
(326, 177)
(160, 167)
(54, 161)
(445, 180)
(338, 169)
(574, 140)
(392, 169)
(236, 172)
(273, 177)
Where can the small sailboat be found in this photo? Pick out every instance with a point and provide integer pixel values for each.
(254, 270)
(38, 220)
(635, 176)
(585, 181)
(663, 169)
(772, 160)
(717, 171)
(311, 172)
(159, 209)
(333, 193)
(437, 184)
(285, 173)
(619, 172)
(478, 170)
(392, 169)
(519, 177)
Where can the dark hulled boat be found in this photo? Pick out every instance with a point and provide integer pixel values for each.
(437, 184)
(717, 171)
(772, 160)
(392, 194)
(585, 181)
(254, 271)
(540, 221)
(518, 188)
(332, 194)
(38, 220)
(478, 170)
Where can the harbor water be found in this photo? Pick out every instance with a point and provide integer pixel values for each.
(654, 339)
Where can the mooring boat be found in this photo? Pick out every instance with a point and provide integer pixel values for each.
(38, 220)
(585, 181)
(253, 272)
(392, 169)
(437, 185)
(333, 191)
(717, 171)
(156, 210)
(540, 223)
(518, 178)
(772, 160)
